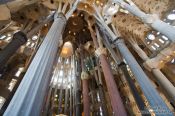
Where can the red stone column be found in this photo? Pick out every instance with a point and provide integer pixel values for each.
(116, 101)
(84, 77)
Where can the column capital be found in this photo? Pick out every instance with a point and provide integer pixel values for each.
(84, 75)
(21, 37)
(119, 41)
(60, 15)
(116, 39)
(100, 51)
(150, 18)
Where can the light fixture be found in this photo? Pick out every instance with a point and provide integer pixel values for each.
(167, 57)
(161, 61)
(97, 1)
(67, 49)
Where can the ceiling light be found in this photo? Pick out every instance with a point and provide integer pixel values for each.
(167, 57)
(161, 61)
(67, 49)
(97, 2)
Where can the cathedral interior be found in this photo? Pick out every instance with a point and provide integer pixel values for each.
(87, 57)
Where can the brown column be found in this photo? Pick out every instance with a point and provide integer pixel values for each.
(116, 101)
(84, 77)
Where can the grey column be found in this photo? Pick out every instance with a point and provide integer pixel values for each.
(153, 97)
(165, 84)
(133, 88)
(19, 39)
(29, 96)
(123, 68)
(155, 101)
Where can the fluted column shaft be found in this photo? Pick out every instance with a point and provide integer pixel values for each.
(123, 68)
(19, 39)
(165, 84)
(148, 89)
(30, 94)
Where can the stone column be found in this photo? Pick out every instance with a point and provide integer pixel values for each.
(148, 89)
(85, 77)
(116, 101)
(19, 39)
(133, 88)
(150, 19)
(165, 84)
(122, 66)
(30, 94)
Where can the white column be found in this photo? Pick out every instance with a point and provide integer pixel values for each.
(29, 96)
